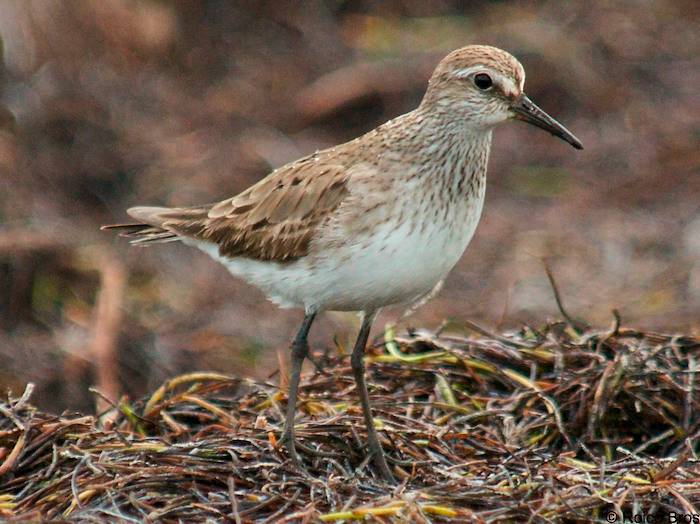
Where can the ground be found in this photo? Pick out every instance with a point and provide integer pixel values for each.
(559, 424)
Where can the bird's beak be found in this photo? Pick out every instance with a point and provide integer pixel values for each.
(526, 110)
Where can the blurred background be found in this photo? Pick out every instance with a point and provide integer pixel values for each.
(105, 104)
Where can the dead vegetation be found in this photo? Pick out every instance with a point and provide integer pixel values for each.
(550, 425)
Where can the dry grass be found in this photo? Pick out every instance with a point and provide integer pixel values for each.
(560, 424)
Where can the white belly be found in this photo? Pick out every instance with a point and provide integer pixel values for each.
(398, 263)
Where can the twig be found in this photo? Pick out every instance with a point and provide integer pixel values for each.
(234, 500)
(578, 327)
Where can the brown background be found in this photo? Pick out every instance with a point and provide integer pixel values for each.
(112, 103)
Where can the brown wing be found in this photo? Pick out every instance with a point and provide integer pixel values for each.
(273, 220)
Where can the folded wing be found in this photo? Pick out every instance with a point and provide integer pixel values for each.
(273, 220)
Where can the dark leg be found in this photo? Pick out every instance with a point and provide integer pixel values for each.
(358, 369)
(300, 350)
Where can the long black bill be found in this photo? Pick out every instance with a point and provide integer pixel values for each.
(526, 110)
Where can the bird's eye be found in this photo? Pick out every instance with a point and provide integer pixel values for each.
(483, 81)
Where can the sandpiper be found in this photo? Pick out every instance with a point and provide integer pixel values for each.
(376, 221)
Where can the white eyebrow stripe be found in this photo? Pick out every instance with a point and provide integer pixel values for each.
(464, 73)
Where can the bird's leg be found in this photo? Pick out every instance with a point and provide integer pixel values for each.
(300, 350)
(358, 369)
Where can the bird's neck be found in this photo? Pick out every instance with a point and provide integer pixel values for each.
(453, 156)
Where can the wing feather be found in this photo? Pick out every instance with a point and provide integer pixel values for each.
(273, 220)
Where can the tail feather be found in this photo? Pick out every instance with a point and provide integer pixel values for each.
(152, 215)
(161, 237)
(141, 234)
(152, 227)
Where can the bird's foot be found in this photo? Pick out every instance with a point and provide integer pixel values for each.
(377, 454)
(289, 442)
(385, 472)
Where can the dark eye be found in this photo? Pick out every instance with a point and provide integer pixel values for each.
(483, 81)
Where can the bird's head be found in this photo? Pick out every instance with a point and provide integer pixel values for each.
(483, 86)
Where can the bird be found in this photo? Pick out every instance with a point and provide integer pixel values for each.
(376, 221)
